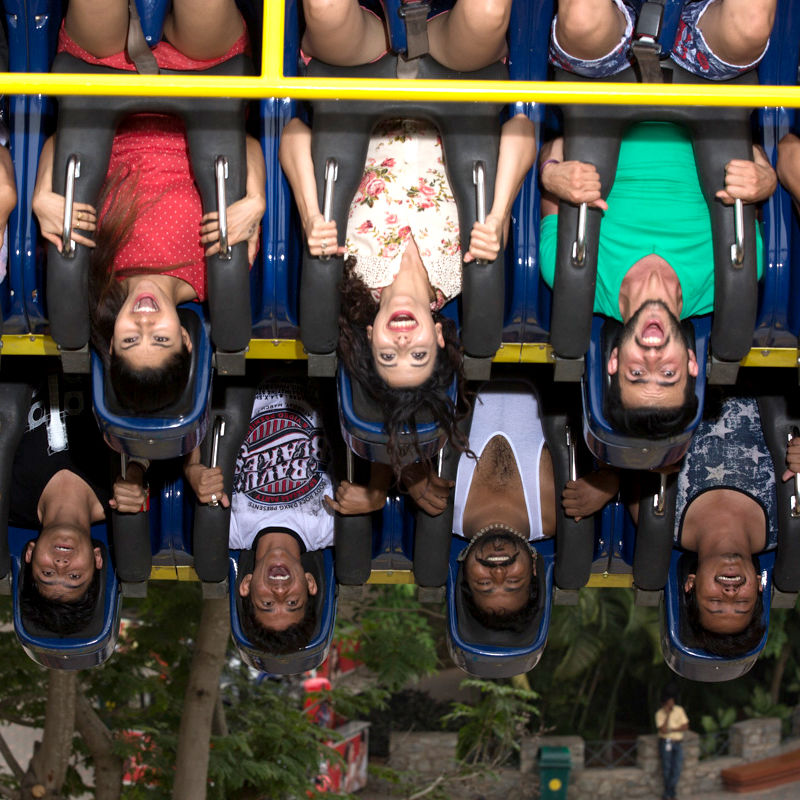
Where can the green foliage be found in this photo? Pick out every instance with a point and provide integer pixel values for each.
(492, 728)
(762, 705)
(393, 636)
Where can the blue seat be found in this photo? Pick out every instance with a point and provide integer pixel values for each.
(621, 450)
(320, 564)
(180, 427)
(611, 552)
(497, 654)
(79, 651)
(699, 665)
(362, 426)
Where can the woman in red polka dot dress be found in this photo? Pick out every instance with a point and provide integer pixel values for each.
(152, 238)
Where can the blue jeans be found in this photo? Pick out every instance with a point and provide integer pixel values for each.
(671, 763)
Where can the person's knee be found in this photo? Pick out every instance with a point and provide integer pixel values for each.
(585, 27)
(746, 27)
(328, 13)
(490, 18)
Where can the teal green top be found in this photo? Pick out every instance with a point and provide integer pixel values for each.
(656, 205)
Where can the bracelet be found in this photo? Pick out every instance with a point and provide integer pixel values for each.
(549, 161)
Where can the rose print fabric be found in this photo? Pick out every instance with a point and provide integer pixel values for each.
(404, 194)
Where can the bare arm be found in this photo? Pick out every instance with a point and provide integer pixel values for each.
(205, 481)
(789, 166)
(49, 206)
(354, 499)
(298, 166)
(516, 156)
(244, 216)
(750, 181)
(8, 188)
(573, 181)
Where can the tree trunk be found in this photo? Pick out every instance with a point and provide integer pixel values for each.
(777, 676)
(48, 767)
(191, 766)
(100, 741)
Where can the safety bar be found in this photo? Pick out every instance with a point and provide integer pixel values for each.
(579, 245)
(221, 175)
(479, 180)
(219, 432)
(659, 500)
(331, 174)
(73, 172)
(737, 248)
(276, 85)
(572, 454)
(795, 500)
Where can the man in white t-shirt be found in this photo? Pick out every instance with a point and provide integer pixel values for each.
(283, 504)
(278, 511)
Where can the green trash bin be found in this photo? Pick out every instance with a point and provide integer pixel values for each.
(554, 766)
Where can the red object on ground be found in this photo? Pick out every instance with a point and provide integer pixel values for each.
(763, 774)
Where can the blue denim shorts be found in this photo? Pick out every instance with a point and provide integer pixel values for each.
(693, 54)
(689, 50)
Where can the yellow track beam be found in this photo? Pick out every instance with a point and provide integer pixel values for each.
(607, 580)
(254, 88)
(292, 350)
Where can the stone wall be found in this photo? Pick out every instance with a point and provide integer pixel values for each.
(750, 740)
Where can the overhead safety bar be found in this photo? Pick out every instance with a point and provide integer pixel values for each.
(275, 84)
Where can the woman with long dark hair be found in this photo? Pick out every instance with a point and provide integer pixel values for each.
(402, 242)
(151, 236)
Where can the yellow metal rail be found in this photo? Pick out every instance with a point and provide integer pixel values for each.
(273, 83)
(292, 350)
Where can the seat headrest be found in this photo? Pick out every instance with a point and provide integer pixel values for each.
(185, 402)
(312, 562)
(475, 633)
(95, 626)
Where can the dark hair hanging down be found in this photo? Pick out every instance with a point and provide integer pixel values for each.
(146, 390)
(401, 406)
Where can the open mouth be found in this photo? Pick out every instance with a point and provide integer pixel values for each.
(402, 322)
(730, 580)
(145, 303)
(652, 334)
(278, 572)
(63, 548)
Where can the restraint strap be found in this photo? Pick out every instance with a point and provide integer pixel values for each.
(138, 50)
(646, 48)
(415, 15)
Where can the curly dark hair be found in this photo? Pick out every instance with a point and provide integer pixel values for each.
(517, 621)
(56, 615)
(289, 640)
(401, 407)
(146, 390)
(725, 645)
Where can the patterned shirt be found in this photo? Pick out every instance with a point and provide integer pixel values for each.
(404, 193)
(728, 451)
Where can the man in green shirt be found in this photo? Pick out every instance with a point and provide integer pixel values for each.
(655, 262)
(655, 236)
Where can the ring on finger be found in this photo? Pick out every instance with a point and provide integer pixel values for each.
(324, 244)
(214, 501)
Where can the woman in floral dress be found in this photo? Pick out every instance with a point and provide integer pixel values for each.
(402, 242)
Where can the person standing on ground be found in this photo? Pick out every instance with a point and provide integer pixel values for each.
(671, 722)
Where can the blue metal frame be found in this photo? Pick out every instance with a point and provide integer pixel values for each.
(309, 657)
(698, 665)
(497, 662)
(66, 653)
